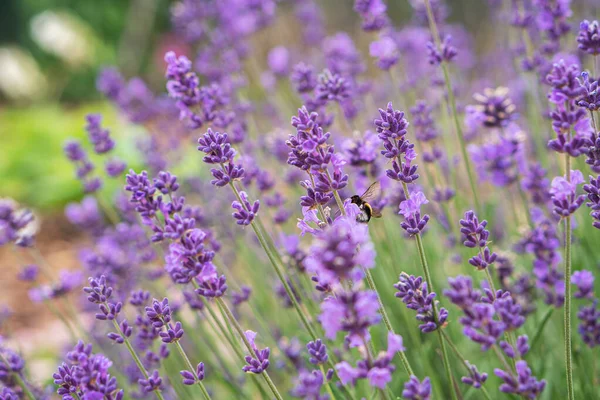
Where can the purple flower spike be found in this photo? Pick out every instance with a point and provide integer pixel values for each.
(446, 53)
(564, 194)
(303, 78)
(353, 312)
(245, 211)
(308, 386)
(589, 327)
(584, 280)
(318, 352)
(524, 384)
(154, 382)
(416, 390)
(172, 333)
(159, 313)
(99, 137)
(212, 286)
(593, 194)
(414, 293)
(256, 366)
(495, 107)
(189, 378)
(591, 95)
(475, 378)
(411, 210)
(332, 87)
(386, 51)
(588, 38)
(475, 235)
(217, 147)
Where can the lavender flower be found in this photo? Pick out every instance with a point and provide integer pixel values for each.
(523, 384)
(475, 378)
(259, 364)
(385, 51)
(414, 293)
(340, 251)
(417, 390)
(593, 194)
(189, 378)
(588, 38)
(413, 222)
(590, 98)
(589, 326)
(98, 136)
(373, 14)
(584, 280)
(475, 235)
(85, 375)
(153, 383)
(308, 385)
(564, 196)
(495, 107)
(332, 87)
(352, 312)
(318, 352)
(446, 53)
(246, 212)
(303, 78)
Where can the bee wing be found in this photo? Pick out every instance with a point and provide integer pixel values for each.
(373, 192)
(375, 213)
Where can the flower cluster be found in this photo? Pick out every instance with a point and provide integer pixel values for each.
(564, 193)
(593, 194)
(372, 13)
(340, 251)
(476, 236)
(86, 376)
(486, 317)
(414, 293)
(16, 225)
(261, 362)
(378, 372)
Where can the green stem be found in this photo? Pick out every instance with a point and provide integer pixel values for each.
(452, 101)
(463, 360)
(135, 356)
(278, 271)
(328, 384)
(233, 321)
(427, 274)
(386, 320)
(567, 311)
(192, 369)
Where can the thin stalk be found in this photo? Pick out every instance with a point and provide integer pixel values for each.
(427, 274)
(60, 316)
(192, 369)
(242, 335)
(525, 204)
(328, 384)
(135, 356)
(386, 320)
(19, 380)
(452, 101)
(567, 311)
(463, 360)
(288, 290)
(337, 197)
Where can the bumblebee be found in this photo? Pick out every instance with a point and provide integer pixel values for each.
(367, 211)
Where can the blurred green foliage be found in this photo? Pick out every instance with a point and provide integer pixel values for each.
(33, 167)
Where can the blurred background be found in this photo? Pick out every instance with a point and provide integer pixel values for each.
(50, 54)
(52, 50)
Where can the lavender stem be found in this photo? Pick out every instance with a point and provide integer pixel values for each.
(242, 335)
(427, 274)
(567, 311)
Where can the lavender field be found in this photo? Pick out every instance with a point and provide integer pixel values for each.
(319, 200)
